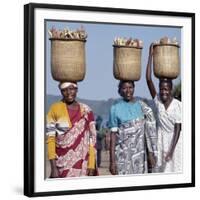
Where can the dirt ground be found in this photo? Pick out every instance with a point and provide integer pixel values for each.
(104, 167)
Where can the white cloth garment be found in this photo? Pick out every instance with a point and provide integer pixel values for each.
(166, 120)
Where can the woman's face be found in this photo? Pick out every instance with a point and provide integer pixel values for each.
(165, 91)
(69, 94)
(127, 90)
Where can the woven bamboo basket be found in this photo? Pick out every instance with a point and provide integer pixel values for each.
(127, 63)
(166, 61)
(68, 59)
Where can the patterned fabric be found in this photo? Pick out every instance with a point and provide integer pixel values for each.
(166, 120)
(134, 137)
(72, 143)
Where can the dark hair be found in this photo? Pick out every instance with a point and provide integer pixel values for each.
(166, 80)
(122, 82)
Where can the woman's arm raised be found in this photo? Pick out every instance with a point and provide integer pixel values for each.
(148, 73)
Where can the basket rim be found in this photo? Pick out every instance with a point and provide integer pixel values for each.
(67, 39)
(123, 46)
(175, 45)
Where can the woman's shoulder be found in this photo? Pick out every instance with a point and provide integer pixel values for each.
(142, 103)
(176, 102)
(146, 105)
(117, 103)
(85, 107)
(57, 104)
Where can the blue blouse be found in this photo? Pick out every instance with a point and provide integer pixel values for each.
(123, 111)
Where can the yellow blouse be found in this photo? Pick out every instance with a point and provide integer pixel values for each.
(58, 114)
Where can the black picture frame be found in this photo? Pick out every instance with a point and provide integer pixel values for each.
(30, 96)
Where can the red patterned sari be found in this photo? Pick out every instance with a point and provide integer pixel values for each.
(72, 147)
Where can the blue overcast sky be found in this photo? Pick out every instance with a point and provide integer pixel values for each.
(99, 83)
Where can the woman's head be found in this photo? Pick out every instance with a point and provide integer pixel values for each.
(126, 89)
(68, 91)
(165, 87)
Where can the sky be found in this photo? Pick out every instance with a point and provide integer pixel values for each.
(99, 82)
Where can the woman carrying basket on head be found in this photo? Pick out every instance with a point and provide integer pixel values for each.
(133, 133)
(71, 136)
(168, 110)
